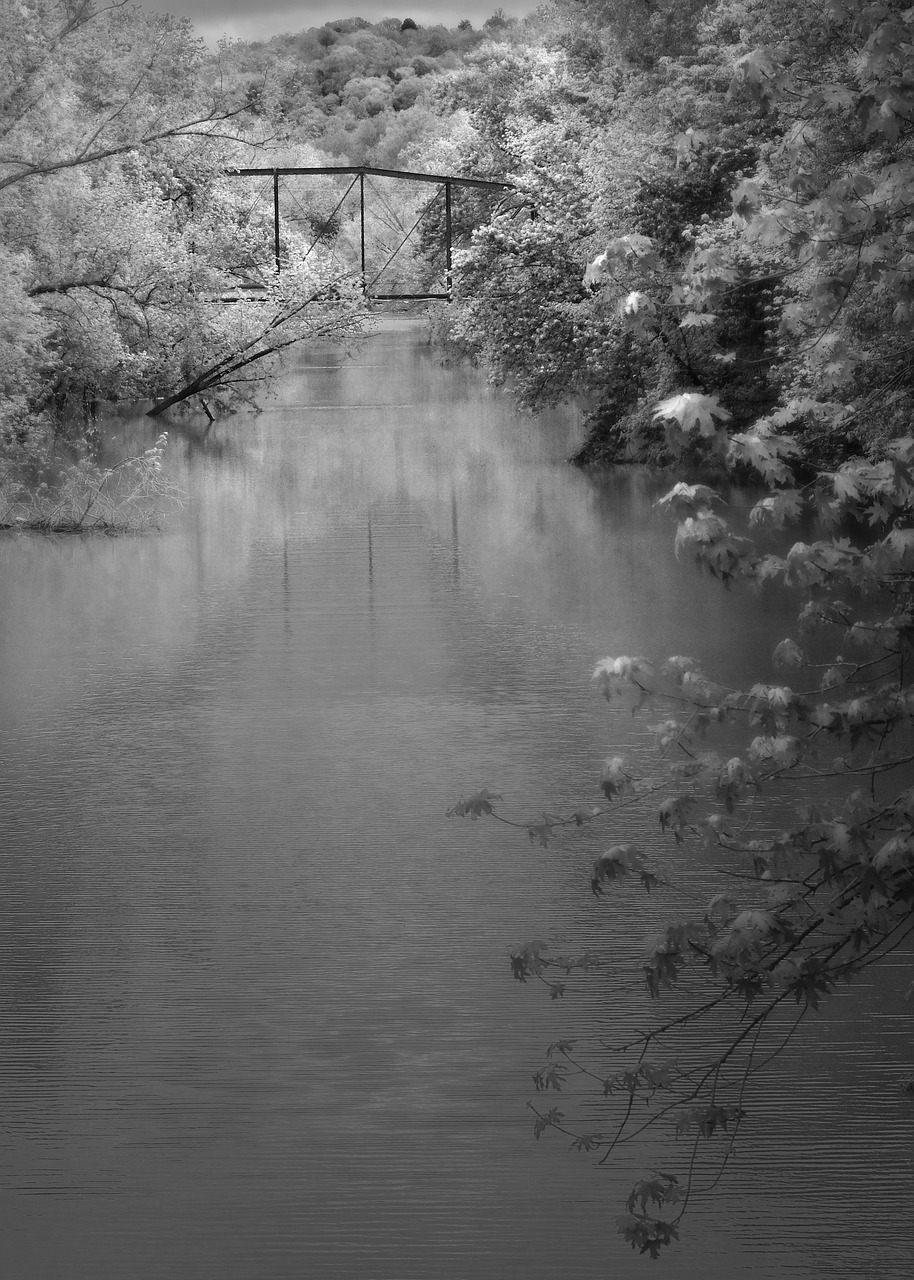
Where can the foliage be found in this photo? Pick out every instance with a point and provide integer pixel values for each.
(770, 172)
(123, 235)
(356, 90)
(83, 497)
(802, 906)
(810, 268)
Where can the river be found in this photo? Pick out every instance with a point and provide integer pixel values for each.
(257, 1020)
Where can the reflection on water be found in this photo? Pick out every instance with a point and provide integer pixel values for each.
(257, 1019)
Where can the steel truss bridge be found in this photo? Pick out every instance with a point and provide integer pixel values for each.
(444, 184)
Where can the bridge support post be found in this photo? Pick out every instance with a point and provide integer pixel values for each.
(362, 225)
(447, 239)
(276, 218)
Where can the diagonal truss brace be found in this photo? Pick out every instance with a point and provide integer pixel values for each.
(359, 172)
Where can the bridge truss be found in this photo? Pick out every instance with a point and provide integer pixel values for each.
(445, 185)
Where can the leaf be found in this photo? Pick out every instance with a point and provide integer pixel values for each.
(663, 1188)
(667, 732)
(722, 906)
(781, 750)
(679, 666)
(614, 780)
(474, 806)
(746, 199)
(698, 320)
(632, 245)
(901, 543)
(586, 1142)
(550, 1077)
(647, 1235)
(596, 271)
(613, 864)
(688, 499)
(623, 668)
(688, 144)
(527, 959)
(789, 654)
(764, 450)
(672, 814)
(542, 1122)
(637, 303)
(541, 832)
(693, 412)
(776, 510)
(708, 1119)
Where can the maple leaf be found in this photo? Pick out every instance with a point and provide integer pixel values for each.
(613, 778)
(631, 246)
(845, 484)
(698, 320)
(474, 806)
(596, 271)
(693, 412)
(582, 816)
(667, 731)
(746, 199)
(672, 814)
(677, 665)
(901, 543)
(527, 959)
(778, 509)
(708, 1119)
(663, 1188)
(636, 303)
(687, 144)
(761, 73)
(764, 450)
(723, 906)
(551, 1077)
(586, 1142)
(789, 654)
(541, 831)
(688, 499)
(542, 1123)
(623, 668)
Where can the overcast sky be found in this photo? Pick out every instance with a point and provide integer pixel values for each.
(241, 19)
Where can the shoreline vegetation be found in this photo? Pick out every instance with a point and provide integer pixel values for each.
(709, 198)
(130, 496)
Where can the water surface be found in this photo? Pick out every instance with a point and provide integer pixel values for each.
(256, 1015)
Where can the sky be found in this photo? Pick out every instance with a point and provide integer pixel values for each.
(242, 20)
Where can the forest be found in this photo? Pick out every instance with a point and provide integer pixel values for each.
(709, 245)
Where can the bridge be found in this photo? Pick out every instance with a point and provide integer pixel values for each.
(361, 178)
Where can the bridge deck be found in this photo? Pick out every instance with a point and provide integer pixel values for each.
(369, 172)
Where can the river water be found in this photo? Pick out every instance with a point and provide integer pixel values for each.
(256, 1014)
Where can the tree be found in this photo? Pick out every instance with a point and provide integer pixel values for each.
(123, 232)
(310, 301)
(86, 84)
(807, 902)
